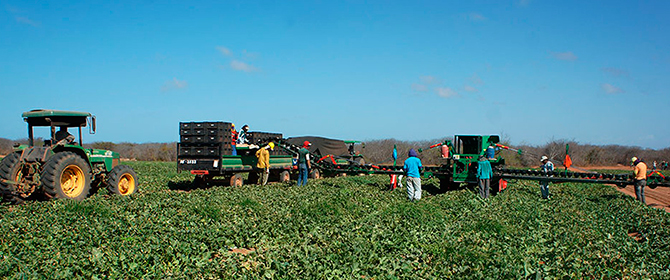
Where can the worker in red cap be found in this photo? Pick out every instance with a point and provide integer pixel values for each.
(233, 136)
(304, 164)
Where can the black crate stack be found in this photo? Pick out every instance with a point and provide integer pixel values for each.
(263, 138)
(204, 139)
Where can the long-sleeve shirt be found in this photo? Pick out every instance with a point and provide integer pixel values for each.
(484, 170)
(640, 171)
(549, 166)
(263, 158)
(412, 166)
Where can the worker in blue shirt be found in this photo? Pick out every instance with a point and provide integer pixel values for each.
(484, 174)
(412, 170)
(547, 168)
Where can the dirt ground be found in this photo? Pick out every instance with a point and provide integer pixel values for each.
(657, 198)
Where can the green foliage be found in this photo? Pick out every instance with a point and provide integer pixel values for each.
(333, 228)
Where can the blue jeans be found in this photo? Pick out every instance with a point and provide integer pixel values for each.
(302, 174)
(639, 190)
(544, 188)
(234, 150)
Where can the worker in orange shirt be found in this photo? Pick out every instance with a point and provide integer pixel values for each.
(640, 171)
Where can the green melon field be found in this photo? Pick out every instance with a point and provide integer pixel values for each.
(334, 228)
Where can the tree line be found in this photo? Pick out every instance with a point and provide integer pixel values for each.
(586, 155)
(380, 152)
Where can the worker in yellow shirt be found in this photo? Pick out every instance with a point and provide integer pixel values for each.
(640, 170)
(263, 164)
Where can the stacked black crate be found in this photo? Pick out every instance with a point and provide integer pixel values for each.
(205, 139)
(263, 138)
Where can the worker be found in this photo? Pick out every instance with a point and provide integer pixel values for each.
(412, 169)
(640, 171)
(263, 164)
(233, 134)
(304, 163)
(547, 166)
(63, 134)
(242, 140)
(490, 151)
(484, 174)
(444, 149)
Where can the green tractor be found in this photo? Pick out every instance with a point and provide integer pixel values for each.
(61, 167)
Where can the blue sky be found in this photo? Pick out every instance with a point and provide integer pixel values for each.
(591, 71)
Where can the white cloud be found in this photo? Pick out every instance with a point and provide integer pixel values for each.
(610, 89)
(564, 56)
(429, 80)
(27, 21)
(476, 80)
(241, 66)
(476, 17)
(250, 55)
(523, 3)
(225, 51)
(12, 9)
(174, 84)
(446, 92)
(470, 89)
(616, 72)
(419, 87)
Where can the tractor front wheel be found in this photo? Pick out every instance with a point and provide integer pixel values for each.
(122, 180)
(66, 175)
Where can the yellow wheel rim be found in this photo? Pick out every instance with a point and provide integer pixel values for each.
(126, 184)
(72, 181)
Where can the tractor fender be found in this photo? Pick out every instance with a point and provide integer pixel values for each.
(78, 151)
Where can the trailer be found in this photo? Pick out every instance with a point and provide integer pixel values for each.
(205, 150)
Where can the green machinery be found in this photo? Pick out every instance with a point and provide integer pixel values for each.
(61, 167)
(460, 167)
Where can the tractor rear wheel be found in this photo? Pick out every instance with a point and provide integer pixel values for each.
(12, 170)
(66, 175)
(122, 180)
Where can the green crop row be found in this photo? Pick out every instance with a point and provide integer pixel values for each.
(334, 228)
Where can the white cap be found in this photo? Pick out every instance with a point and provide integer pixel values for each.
(544, 158)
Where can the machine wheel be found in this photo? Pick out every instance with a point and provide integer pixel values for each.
(236, 180)
(199, 181)
(653, 186)
(122, 180)
(66, 175)
(284, 177)
(315, 174)
(11, 169)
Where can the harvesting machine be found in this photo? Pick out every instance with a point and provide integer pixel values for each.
(61, 167)
(459, 166)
